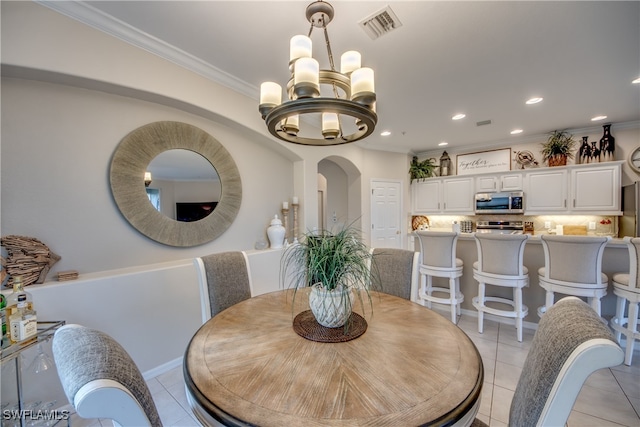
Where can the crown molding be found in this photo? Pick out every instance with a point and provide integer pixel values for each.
(88, 15)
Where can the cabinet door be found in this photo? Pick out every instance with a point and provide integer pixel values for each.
(596, 189)
(486, 184)
(511, 182)
(546, 191)
(458, 195)
(426, 196)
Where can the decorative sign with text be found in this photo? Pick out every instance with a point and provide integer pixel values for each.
(484, 161)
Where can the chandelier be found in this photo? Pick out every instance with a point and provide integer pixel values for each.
(342, 104)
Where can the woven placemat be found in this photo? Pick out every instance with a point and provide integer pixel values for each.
(308, 327)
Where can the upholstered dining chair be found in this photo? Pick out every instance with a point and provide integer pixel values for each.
(100, 379)
(573, 266)
(500, 264)
(395, 272)
(438, 259)
(570, 344)
(224, 279)
(626, 287)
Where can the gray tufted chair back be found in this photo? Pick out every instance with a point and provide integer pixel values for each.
(224, 281)
(100, 379)
(395, 272)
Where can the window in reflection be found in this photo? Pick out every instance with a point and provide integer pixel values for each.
(154, 197)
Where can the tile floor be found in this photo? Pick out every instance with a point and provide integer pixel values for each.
(610, 397)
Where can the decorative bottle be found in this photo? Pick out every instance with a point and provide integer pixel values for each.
(12, 298)
(585, 150)
(3, 319)
(276, 233)
(607, 144)
(23, 321)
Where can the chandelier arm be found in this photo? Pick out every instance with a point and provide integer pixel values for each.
(329, 53)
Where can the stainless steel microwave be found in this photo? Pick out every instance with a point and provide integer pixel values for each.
(500, 203)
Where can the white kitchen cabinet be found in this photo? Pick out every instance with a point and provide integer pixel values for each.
(444, 196)
(502, 182)
(426, 196)
(546, 191)
(596, 189)
(458, 195)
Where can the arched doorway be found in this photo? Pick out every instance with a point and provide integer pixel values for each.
(341, 193)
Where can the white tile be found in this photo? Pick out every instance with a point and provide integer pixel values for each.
(154, 385)
(612, 406)
(485, 402)
(169, 378)
(629, 381)
(487, 348)
(511, 355)
(509, 335)
(578, 419)
(507, 376)
(603, 379)
(489, 370)
(186, 422)
(169, 409)
(500, 404)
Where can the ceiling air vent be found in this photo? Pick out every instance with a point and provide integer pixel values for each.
(483, 123)
(380, 23)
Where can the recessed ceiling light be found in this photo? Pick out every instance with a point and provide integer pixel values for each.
(636, 81)
(533, 101)
(458, 116)
(596, 118)
(516, 131)
(385, 133)
(442, 144)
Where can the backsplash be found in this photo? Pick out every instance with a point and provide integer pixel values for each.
(604, 224)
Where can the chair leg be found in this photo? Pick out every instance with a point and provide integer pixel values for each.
(481, 291)
(595, 304)
(517, 299)
(549, 300)
(452, 298)
(620, 306)
(429, 288)
(632, 326)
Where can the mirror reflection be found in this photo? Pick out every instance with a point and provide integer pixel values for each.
(184, 185)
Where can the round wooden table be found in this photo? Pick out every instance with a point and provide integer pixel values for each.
(411, 367)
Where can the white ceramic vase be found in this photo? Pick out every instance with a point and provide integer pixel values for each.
(276, 233)
(331, 308)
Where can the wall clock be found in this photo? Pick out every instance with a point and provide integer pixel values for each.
(634, 160)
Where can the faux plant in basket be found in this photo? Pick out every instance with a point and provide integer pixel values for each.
(558, 148)
(336, 266)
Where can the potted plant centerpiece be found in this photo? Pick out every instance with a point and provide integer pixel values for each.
(336, 266)
(558, 148)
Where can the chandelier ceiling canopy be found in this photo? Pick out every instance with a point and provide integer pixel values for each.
(343, 101)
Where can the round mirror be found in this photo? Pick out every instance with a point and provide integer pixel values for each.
(183, 185)
(131, 161)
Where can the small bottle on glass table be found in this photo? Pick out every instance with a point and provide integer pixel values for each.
(23, 322)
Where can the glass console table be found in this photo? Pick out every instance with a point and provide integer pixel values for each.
(11, 352)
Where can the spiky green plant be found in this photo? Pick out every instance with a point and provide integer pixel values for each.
(335, 260)
(421, 170)
(560, 144)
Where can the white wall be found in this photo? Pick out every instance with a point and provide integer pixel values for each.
(57, 143)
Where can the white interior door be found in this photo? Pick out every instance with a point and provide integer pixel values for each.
(386, 214)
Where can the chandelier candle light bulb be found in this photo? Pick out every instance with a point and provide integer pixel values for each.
(270, 96)
(362, 86)
(291, 125)
(306, 78)
(350, 61)
(330, 125)
(299, 47)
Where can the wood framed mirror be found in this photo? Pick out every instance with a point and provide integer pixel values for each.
(130, 162)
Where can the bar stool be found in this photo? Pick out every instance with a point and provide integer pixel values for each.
(438, 259)
(627, 289)
(573, 266)
(500, 264)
